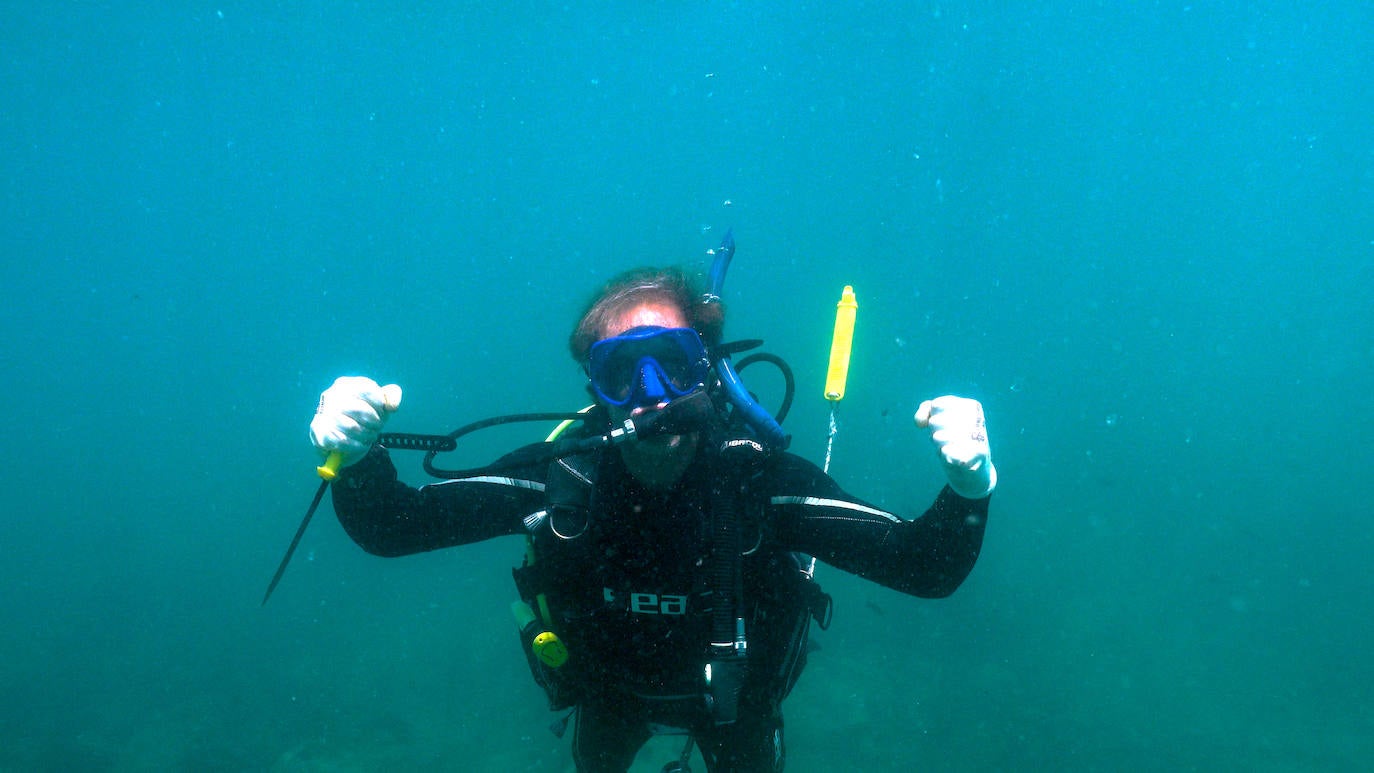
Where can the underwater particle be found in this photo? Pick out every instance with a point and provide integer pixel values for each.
(727, 203)
(1112, 419)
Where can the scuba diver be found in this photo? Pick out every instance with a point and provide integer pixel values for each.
(667, 584)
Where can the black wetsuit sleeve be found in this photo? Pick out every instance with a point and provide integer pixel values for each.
(930, 556)
(386, 517)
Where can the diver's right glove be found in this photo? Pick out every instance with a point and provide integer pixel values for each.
(351, 414)
(960, 434)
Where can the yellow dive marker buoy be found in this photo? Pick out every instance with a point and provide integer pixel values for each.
(841, 344)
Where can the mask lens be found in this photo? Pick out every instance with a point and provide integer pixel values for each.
(676, 368)
(618, 378)
(618, 365)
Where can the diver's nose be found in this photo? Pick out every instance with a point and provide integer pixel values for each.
(649, 387)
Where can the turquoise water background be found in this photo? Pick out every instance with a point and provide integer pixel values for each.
(1141, 233)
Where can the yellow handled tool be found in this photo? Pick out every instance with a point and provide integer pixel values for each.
(330, 469)
(391, 400)
(841, 344)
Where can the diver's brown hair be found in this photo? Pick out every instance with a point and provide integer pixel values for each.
(671, 286)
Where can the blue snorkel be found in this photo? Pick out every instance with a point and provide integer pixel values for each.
(755, 417)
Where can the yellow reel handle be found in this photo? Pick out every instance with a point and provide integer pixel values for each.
(841, 344)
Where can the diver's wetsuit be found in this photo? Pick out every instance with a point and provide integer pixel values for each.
(628, 583)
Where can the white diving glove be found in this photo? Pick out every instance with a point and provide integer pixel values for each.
(351, 414)
(960, 435)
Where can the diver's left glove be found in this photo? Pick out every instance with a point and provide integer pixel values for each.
(960, 434)
(350, 416)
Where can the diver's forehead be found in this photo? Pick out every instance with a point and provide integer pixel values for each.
(645, 315)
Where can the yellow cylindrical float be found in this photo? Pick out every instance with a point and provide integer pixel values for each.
(845, 312)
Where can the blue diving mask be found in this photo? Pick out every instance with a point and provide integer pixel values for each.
(648, 365)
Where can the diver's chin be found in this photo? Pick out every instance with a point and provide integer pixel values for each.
(658, 461)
